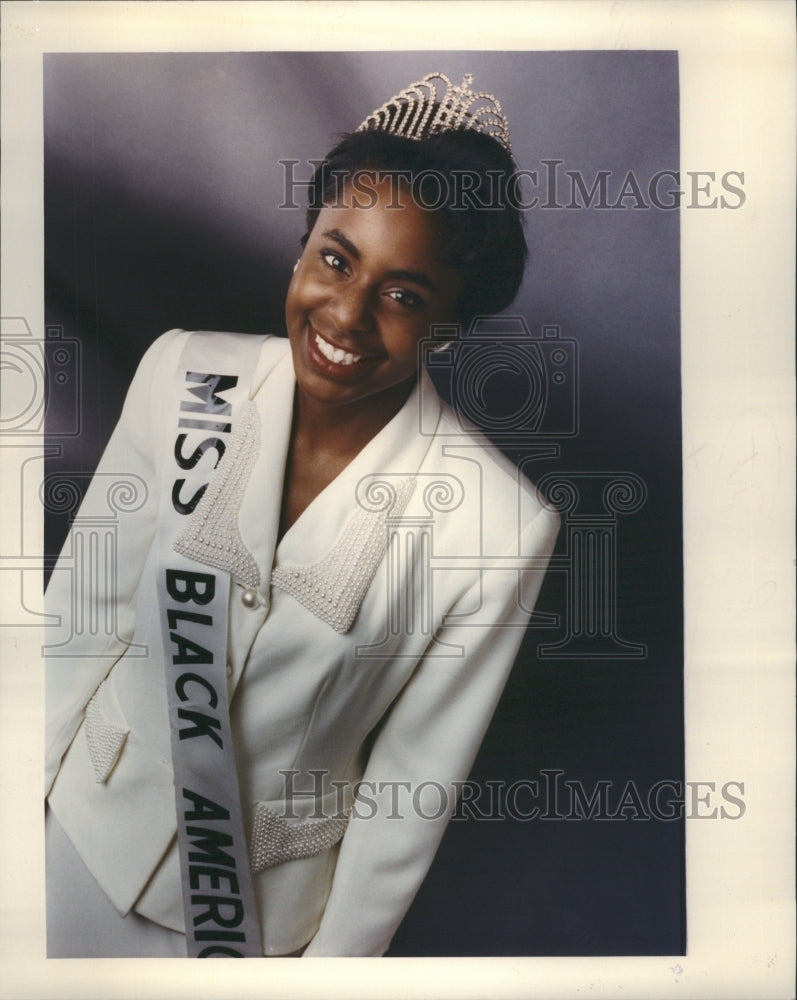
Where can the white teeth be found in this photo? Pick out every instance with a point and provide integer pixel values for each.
(335, 354)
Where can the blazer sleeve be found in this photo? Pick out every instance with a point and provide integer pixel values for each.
(428, 742)
(83, 652)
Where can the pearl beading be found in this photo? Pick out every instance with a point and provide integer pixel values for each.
(275, 840)
(211, 535)
(333, 588)
(104, 741)
(419, 111)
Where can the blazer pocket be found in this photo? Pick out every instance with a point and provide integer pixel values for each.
(305, 829)
(106, 732)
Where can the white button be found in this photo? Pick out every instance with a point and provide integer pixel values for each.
(249, 598)
(229, 670)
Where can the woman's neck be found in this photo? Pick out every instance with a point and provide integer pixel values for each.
(324, 440)
(346, 429)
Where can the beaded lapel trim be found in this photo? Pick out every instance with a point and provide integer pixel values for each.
(211, 535)
(334, 587)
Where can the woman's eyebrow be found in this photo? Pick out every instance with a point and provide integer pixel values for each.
(416, 277)
(396, 274)
(344, 241)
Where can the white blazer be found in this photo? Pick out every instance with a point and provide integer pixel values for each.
(387, 696)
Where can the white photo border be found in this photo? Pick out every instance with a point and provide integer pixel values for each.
(737, 74)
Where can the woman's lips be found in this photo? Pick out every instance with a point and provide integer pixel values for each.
(332, 360)
(336, 354)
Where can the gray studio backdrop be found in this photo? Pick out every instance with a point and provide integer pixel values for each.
(164, 180)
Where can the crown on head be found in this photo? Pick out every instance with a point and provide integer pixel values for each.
(425, 108)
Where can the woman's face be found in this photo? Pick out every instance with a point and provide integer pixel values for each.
(369, 284)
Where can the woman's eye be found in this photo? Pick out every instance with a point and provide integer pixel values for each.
(405, 298)
(333, 260)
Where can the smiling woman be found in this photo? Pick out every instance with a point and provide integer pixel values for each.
(279, 657)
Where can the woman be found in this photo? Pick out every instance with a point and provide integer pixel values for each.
(318, 600)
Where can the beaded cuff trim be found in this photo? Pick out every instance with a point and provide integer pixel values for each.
(211, 534)
(105, 742)
(275, 840)
(334, 587)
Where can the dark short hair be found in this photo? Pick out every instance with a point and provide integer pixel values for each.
(483, 224)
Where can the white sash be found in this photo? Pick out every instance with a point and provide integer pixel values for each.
(211, 387)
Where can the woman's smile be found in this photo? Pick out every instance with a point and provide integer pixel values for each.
(333, 360)
(336, 354)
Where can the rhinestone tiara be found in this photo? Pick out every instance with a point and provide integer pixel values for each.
(434, 104)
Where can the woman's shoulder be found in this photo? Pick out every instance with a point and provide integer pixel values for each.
(499, 472)
(505, 496)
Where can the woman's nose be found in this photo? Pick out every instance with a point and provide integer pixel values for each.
(351, 308)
